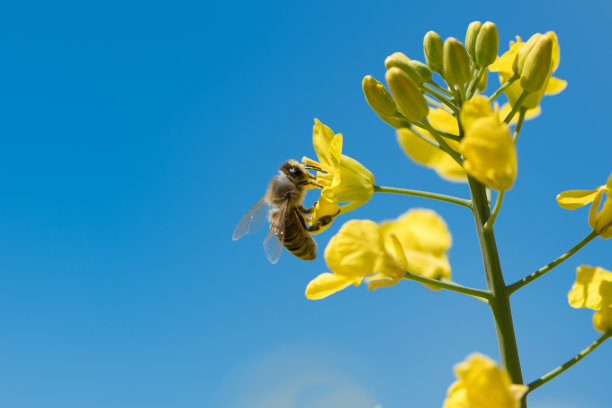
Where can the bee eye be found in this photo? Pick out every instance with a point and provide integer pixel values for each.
(294, 171)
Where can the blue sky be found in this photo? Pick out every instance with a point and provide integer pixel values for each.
(136, 134)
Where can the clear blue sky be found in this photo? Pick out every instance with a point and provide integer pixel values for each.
(136, 134)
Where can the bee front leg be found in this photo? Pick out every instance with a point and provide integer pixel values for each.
(305, 210)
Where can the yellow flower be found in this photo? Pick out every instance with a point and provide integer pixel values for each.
(487, 146)
(427, 155)
(344, 180)
(505, 66)
(424, 238)
(482, 384)
(363, 249)
(599, 220)
(357, 250)
(593, 290)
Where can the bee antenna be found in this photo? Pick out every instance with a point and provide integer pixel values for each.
(309, 167)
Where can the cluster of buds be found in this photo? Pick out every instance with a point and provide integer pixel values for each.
(420, 108)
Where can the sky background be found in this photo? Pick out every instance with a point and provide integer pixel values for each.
(135, 135)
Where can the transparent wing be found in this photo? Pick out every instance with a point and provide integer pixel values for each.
(253, 220)
(273, 243)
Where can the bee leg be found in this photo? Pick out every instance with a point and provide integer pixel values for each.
(304, 210)
(309, 183)
(322, 222)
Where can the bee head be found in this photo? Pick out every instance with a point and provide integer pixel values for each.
(295, 171)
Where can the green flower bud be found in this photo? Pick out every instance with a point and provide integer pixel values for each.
(401, 61)
(408, 95)
(519, 61)
(482, 84)
(456, 62)
(433, 47)
(422, 70)
(537, 66)
(470, 37)
(487, 44)
(378, 97)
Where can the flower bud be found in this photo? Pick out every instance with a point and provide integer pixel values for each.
(487, 44)
(519, 61)
(482, 84)
(537, 66)
(433, 47)
(423, 72)
(377, 96)
(401, 61)
(408, 95)
(470, 37)
(456, 62)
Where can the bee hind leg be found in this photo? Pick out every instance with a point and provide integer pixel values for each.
(322, 222)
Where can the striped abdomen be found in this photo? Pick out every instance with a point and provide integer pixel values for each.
(297, 240)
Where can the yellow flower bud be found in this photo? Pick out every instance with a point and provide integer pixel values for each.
(422, 70)
(377, 96)
(487, 44)
(456, 62)
(538, 65)
(523, 52)
(408, 95)
(401, 61)
(470, 37)
(433, 47)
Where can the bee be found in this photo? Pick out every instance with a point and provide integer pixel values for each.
(283, 206)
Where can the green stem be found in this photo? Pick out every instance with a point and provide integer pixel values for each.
(500, 301)
(503, 88)
(433, 92)
(516, 106)
(426, 194)
(519, 284)
(547, 377)
(437, 104)
(519, 124)
(443, 145)
(474, 84)
(447, 135)
(439, 88)
(489, 224)
(455, 287)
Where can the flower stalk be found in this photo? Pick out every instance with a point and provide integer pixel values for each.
(499, 302)
(425, 194)
(563, 367)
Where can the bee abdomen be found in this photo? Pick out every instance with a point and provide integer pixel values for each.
(298, 241)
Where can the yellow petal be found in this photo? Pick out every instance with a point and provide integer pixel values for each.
(351, 182)
(486, 385)
(489, 152)
(473, 109)
(427, 155)
(354, 250)
(572, 199)
(327, 284)
(419, 229)
(602, 320)
(592, 289)
(321, 138)
(555, 86)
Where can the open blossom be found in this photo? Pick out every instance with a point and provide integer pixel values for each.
(593, 290)
(487, 146)
(599, 219)
(363, 249)
(505, 66)
(482, 384)
(428, 155)
(345, 180)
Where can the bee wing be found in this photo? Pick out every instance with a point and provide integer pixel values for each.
(273, 243)
(253, 220)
